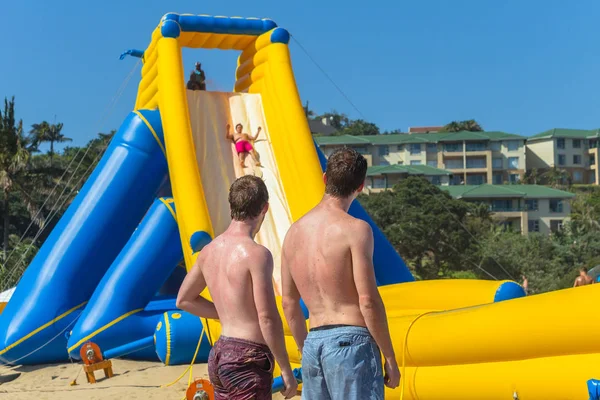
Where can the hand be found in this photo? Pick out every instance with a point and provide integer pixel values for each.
(289, 382)
(259, 128)
(392, 373)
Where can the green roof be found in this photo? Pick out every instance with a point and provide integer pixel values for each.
(507, 191)
(406, 169)
(416, 138)
(566, 133)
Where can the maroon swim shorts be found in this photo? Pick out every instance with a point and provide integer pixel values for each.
(240, 369)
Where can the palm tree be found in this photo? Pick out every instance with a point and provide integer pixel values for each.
(458, 126)
(557, 177)
(45, 132)
(14, 160)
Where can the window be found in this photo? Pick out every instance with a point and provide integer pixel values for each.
(475, 179)
(379, 183)
(384, 162)
(532, 205)
(497, 179)
(432, 147)
(432, 163)
(475, 163)
(453, 147)
(384, 150)
(561, 159)
(593, 143)
(454, 164)
(435, 180)
(560, 143)
(578, 176)
(576, 159)
(415, 162)
(513, 162)
(478, 146)
(496, 146)
(592, 178)
(501, 205)
(513, 145)
(576, 143)
(514, 178)
(556, 206)
(592, 159)
(415, 148)
(361, 149)
(556, 225)
(400, 147)
(400, 162)
(533, 225)
(497, 163)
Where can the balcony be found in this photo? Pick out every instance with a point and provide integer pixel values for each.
(507, 209)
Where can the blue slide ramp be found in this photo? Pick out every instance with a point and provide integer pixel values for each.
(389, 266)
(116, 315)
(74, 258)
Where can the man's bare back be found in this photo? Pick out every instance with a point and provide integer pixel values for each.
(226, 266)
(583, 280)
(320, 262)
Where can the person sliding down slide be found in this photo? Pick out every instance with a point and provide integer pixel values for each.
(238, 273)
(242, 144)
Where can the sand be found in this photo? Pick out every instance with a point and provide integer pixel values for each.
(132, 380)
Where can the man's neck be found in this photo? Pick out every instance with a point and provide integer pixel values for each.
(329, 201)
(245, 228)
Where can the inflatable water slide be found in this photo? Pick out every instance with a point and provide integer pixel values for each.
(110, 270)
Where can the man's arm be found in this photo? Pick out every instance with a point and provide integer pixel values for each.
(257, 133)
(291, 301)
(371, 305)
(189, 299)
(261, 271)
(228, 135)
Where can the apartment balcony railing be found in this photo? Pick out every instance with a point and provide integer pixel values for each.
(507, 209)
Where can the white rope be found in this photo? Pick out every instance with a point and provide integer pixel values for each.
(107, 111)
(54, 210)
(358, 111)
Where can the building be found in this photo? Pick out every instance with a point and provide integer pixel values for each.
(473, 158)
(321, 127)
(574, 150)
(384, 177)
(424, 129)
(524, 208)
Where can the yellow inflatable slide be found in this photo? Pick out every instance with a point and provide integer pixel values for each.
(464, 340)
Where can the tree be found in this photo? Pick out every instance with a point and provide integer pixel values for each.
(51, 133)
(360, 127)
(458, 126)
(557, 177)
(336, 120)
(424, 224)
(14, 160)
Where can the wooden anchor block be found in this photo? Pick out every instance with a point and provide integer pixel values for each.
(105, 365)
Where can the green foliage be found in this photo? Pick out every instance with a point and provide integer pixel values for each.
(458, 126)
(346, 126)
(36, 189)
(443, 238)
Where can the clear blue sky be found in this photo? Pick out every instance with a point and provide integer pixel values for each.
(516, 66)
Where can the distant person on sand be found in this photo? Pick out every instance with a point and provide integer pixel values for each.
(583, 278)
(239, 276)
(197, 79)
(525, 284)
(327, 260)
(242, 144)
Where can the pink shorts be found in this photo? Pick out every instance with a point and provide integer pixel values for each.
(243, 146)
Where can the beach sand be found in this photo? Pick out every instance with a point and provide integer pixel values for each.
(132, 380)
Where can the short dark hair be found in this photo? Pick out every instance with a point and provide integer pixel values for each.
(583, 269)
(248, 196)
(236, 125)
(346, 171)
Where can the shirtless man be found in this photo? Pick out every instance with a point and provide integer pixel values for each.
(327, 260)
(583, 278)
(242, 144)
(239, 276)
